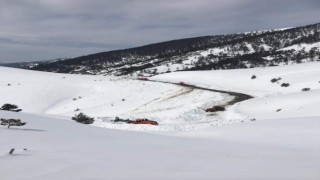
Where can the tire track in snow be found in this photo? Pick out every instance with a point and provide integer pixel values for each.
(238, 97)
(181, 92)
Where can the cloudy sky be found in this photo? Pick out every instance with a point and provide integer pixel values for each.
(46, 29)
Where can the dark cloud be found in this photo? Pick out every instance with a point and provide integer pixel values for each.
(46, 29)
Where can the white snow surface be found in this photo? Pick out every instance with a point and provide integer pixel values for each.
(277, 139)
(271, 100)
(105, 97)
(298, 76)
(60, 149)
(306, 47)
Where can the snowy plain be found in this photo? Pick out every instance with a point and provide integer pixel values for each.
(105, 97)
(270, 97)
(272, 136)
(60, 149)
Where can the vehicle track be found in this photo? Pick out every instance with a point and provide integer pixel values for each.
(238, 97)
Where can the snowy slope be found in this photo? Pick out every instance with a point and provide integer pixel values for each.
(281, 143)
(302, 104)
(233, 51)
(175, 108)
(52, 93)
(59, 149)
(105, 97)
(306, 47)
(239, 80)
(272, 100)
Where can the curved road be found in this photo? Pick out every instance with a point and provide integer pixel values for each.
(238, 97)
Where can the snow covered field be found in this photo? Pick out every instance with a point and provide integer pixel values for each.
(271, 97)
(60, 149)
(278, 139)
(104, 97)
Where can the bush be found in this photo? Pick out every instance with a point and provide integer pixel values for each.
(306, 89)
(182, 84)
(275, 80)
(253, 77)
(285, 84)
(10, 107)
(12, 122)
(215, 109)
(82, 118)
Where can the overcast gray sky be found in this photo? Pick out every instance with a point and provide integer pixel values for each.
(46, 29)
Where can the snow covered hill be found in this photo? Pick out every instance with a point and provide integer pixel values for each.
(174, 107)
(105, 97)
(232, 51)
(272, 100)
(275, 135)
(60, 149)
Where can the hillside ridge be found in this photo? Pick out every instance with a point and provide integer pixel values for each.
(233, 51)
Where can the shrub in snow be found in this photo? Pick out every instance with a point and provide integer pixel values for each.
(10, 107)
(182, 83)
(306, 89)
(285, 84)
(143, 79)
(275, 80)
(12, 122)
(11, 151)
(143, 121)
(82, 118)
(215, 109)
(253, 77)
